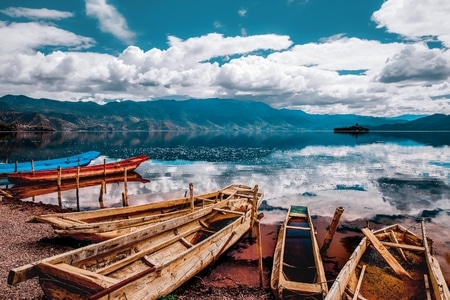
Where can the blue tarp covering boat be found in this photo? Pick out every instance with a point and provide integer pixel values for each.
(50, 164)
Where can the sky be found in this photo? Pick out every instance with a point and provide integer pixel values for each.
(365, 57)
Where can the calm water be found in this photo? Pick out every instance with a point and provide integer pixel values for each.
(404, 175)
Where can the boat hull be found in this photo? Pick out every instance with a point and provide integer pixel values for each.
(39, 189)
(103, 224)
(106, 169)
(394, 266)
(39, 165)
(298, 270)
(146, 264)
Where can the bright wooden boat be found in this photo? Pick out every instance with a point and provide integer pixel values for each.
(391, 263)
(43, 188)
(49, 164)
(298, 271)
(145, 264)
(105, 169)
(103, 224)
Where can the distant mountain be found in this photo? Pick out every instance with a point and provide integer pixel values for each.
(24, 113)
(436, 122)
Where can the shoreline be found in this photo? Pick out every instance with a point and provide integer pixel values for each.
(235, 275)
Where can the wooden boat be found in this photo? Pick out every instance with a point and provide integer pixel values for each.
(105, 169)
(49, 164)
(391, 263)
(298, 271)
(145, 264)
(43, 188)
(103, 224)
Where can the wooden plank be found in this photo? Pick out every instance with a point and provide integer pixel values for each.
(298, 228)
(404, 246)
(392, 262)
(138, 255)
(88, 279)
(358, 285)
(229, 211)
(313, 288)
(427, 286)
(394, 240)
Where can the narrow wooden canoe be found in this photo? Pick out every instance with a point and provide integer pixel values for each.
(298, 271)
(391, 263)
(103, 224)
(43, 188)
(144, 264)
(49, 164)
(105, 169)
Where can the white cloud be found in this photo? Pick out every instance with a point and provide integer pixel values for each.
(417, 63)
(111, 21)
(32, 13)
(27, 37)
(242, 12)
(340, 54)
(416, 20)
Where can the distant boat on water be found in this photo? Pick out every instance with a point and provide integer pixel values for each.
(352, 129)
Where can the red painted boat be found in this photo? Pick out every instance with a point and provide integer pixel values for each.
(118, 167)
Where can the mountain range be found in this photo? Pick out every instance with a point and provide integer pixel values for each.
(18, 112)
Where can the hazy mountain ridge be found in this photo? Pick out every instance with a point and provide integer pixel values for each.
(187, 115)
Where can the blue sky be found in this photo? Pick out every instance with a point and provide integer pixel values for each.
(367, 57)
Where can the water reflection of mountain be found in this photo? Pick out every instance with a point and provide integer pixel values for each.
(407, 193)
(25, 146)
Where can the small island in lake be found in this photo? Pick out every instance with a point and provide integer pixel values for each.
(352, 129)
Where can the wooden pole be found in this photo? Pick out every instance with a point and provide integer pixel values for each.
(260, 260)
(104, 168)
(255, 204)
(58, 182)
(125, 186)
(78, 187)
(330, 234)
(191, 195)
(104, 176)
(100, 197)
(32, 165)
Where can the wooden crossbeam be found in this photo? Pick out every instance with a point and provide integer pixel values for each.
(392, 262)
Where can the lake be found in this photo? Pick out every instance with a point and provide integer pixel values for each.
(405, 176)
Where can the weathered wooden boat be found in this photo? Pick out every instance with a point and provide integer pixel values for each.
(391, 263)
(43, 188)
(49, 164)
(298, 271)
(103, 224)
(144, 264)
(61, 174)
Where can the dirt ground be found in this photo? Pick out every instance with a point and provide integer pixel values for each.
(235, 275)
